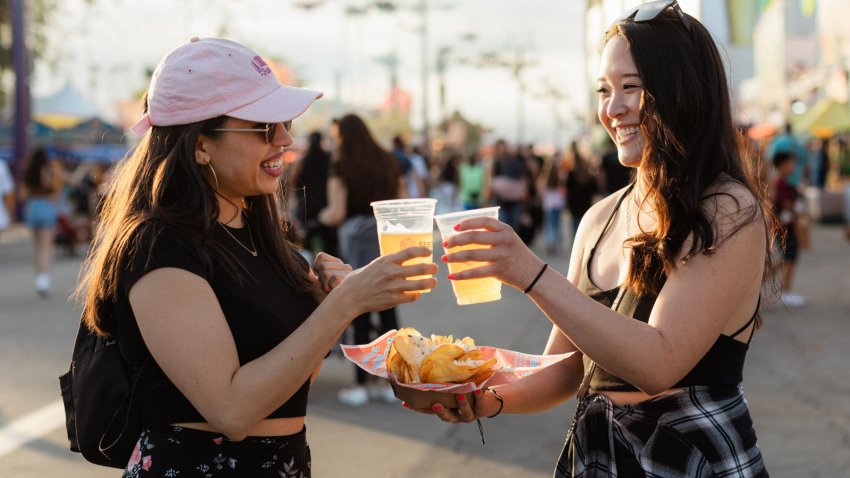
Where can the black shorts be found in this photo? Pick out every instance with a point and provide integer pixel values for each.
(790, 246)
(179, 452)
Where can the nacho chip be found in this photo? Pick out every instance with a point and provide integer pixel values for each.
(413, 358)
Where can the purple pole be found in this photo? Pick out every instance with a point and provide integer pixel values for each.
(20, 62)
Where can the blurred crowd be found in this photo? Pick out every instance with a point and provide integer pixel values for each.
(542, 195)
(808, 178)
(57, 200)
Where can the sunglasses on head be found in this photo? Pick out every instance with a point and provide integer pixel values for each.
(268, 132)
(649, 11)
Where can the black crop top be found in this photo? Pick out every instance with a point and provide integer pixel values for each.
(260, 314)
(721, 366)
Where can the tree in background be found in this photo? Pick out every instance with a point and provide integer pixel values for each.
(38, 16)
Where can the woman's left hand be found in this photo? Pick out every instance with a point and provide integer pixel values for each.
(510, 260)
(330, 270)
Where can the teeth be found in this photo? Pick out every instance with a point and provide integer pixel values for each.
(624, 132)
(272, 164)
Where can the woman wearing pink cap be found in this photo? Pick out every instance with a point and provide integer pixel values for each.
(191, 267)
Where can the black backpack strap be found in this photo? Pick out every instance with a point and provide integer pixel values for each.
(125, 420)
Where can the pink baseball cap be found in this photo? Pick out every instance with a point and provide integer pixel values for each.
(210, 77)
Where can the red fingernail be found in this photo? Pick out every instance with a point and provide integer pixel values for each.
(445, 243)
(437, 408)
(457, 227)
(405, 405)
(444, 259)
(477, 393)
(451, 277)
(461, 398)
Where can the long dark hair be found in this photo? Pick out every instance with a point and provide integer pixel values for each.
(37, 176)
(160, 185)
(692, 143)
(370, 172)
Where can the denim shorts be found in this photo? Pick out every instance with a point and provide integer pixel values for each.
(41, 213)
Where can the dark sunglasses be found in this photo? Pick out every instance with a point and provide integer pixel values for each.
(268, 132)
(649, 11)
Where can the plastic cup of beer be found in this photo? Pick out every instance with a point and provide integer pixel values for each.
(404, 223)
(469, 291)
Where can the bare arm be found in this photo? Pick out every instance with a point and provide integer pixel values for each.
(183, 326)
(541, 391)
(334, 213)
(687, 318)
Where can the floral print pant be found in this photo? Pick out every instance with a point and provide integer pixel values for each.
(182, 452)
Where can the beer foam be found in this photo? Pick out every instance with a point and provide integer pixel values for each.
(389, 228)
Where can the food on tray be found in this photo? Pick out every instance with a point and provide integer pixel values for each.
(413, 358)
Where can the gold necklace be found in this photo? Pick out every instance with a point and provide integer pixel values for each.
(253, 250)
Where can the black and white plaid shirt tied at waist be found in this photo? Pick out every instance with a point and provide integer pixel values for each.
(695, 433)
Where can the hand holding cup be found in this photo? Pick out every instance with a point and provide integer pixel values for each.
(494, 247)
(389, 280)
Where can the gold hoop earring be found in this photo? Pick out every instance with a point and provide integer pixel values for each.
(214, 175)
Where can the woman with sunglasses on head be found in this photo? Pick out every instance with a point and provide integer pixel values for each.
(662, 295)
(190, 271)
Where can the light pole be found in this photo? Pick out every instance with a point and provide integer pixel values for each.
(556, 97)
(516, 66)
(423, 12)
(20, 61)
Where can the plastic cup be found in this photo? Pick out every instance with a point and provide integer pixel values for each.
(404, 223)
(469, 291)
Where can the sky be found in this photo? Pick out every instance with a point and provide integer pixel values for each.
(106, 50)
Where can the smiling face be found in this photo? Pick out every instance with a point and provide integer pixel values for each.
(620, 90)
(244, 163)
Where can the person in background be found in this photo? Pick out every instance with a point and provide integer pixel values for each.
(472, 182)
(847, 210)
(553, 187)
(413, 169)
(581, 185)
(445, 179)
(819, 161)
(309, 177)
(532, 217)
(614, 176)
(509, 178)
(7, 189)
(785, 198)
(190, 271)
(421, 162)
(788, 143)
(362, 172)
(42, 185)
(662, 295)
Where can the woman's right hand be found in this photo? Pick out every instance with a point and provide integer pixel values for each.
(509, 259)
(486, 405)
(383, 283)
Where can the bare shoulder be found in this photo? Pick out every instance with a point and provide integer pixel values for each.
(601, 210)
(731, 207)
(595, 218)
(590, 229)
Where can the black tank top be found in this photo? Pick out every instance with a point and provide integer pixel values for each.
(721, 366)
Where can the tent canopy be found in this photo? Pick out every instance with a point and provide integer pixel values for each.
(64, 109)
(826, 118)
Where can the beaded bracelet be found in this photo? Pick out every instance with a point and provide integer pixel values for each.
(499, 398)
(539, 274)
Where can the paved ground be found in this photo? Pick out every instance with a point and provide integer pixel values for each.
(797, 384)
